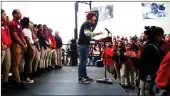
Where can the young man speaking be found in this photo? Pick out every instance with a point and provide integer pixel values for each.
(86, 32)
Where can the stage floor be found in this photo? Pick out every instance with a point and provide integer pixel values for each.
(64, 82)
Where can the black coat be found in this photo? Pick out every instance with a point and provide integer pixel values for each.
(149, 61)
(121, 57)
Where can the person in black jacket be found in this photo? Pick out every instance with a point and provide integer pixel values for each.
(59, 44)
(150, 57)
(43, 46)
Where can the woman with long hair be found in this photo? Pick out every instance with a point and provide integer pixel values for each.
(5, 49)
(120, 65)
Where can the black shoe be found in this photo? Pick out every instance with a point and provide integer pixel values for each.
(33, 75)
(4, 91)
(21, 86)
(123, 86)
(48, 69)
(131, 87)
(22, 75)
(90, 79)
(60, 67)
(7, 86)
(83, 80)
(44, 70)
(57, 67)
(38, 74)
(51, 67)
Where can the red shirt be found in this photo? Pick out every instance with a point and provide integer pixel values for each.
(107, 55)
(53, 42)
(163, 74)
(34, 36)
(165, 47)
(5, 36)
(128, 59)
(15, 26)
(139, 52)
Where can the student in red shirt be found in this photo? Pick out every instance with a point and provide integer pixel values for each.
(52, 48)
(18, 46)
(163, 75)
(129, 65)
(107, 55)
(5, 49)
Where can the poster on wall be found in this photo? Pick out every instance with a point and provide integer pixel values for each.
(105, 12)
(153, 10)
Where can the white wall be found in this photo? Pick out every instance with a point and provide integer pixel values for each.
(128, 19)
(59, 16)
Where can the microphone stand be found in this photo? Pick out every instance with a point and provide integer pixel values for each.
(105, 79)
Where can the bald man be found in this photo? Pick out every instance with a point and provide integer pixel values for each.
(58, 49)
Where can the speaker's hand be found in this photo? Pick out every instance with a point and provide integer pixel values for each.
(99, 33)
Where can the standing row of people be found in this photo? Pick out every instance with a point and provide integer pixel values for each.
(27, 50)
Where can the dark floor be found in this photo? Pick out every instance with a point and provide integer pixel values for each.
(64, 82)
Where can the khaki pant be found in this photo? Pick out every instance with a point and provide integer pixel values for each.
(42, 57)
(130, 75)
(39, 58)
(35, 60)
(29, 57)
(123, 74)
(6, 63)
(22, 64)
(16, 54)
(142, 87)
(111, 69)
(54, 57)
(59, 56)
(47, 57)
(117, 72)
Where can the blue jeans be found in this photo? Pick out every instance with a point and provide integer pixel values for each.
(83, 51)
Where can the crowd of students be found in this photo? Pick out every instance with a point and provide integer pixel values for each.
(142, 62)
(27, 50)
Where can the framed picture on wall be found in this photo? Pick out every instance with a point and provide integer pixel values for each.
(153, 10)
(105, 12)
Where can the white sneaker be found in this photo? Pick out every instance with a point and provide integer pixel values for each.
(29, 81)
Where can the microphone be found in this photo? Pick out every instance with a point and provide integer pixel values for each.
(108, 31)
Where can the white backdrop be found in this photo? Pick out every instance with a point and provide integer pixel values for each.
(128, 19)
(59, 16)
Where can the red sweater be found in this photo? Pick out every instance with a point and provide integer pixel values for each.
(128, 59)
(53, 42)
(5, 33)
(107, 56)
(163, 74)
